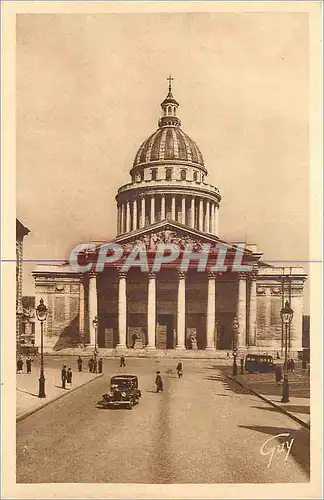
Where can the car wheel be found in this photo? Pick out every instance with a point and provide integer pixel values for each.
(130, 404)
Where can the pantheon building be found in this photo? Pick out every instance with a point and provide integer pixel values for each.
(168, 199)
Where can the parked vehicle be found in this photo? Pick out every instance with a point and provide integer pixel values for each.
(259, 363)
(124, 392)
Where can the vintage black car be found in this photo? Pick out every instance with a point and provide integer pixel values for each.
(124, 392)
(259, 363)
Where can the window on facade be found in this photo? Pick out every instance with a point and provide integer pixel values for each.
(168, 174)
(183, 175)
(153, 174)
(142, 175)
(169, 110)
(195, 176)
(202, 178)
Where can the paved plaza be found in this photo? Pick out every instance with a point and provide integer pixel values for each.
(203, 428)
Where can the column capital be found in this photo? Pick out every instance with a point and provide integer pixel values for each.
(254, 274)
(92, 274)
(242, 276)
(181, 274)
(122, 275)
(151, 275)
(212, 274)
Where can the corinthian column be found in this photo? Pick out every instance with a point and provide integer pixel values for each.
(201, 214)
(93, 306)
(211, 311)
(163, 207)
(183, 210)
(143, 211)
(207, 221)
(212, 219)
(151, 311)
(252, 310)
(173, 211)
(192, 212)
(118, 219)
(128, 217)
(134, 215)
(181, 311)
(122, 311)
(241, 310)
(122, 218)
(217, 221)
(152, 209)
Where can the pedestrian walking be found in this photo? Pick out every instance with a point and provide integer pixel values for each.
(292, 365)
(242, 365)
(79, 363)
(100, 365)
(95, 363)
(289, 365)
(179, 369)
(158, 382)
(28, 365)
(228, 355)
(20, 365)
(278, 374)
(69, 377)
(90, 365)
(122, 361)
(63, 376)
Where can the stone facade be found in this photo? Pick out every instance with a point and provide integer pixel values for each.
(168, 201)
(21, 232)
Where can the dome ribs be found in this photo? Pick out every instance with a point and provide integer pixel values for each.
(182, 150)
(149, 146)
(188, 147)
(169, 146)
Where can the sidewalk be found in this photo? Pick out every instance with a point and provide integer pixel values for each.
(264, 385)
(27, 389)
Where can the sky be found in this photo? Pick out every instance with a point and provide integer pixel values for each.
(89, 89)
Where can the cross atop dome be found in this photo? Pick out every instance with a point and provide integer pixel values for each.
(169, 106)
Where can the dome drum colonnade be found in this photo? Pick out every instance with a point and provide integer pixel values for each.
(168, 181)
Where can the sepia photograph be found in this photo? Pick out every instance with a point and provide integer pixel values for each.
(166, 256)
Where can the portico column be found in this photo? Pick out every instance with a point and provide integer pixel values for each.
(162, 207)
(201, 214)
(122, 311)
(118, 219)
(152, 209)
(143, 212)
(211, 311)
(252, 310)
(134, 215)
(192, 212)
(128, 217)
(181, 311)
(183, 210)
(81, 313)
(241, 310)
(93, 306)
(207, 221)
(173, 211)
(212, 219)
(151, 311)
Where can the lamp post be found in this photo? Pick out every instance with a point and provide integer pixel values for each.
(286, 314)
(41, 313)
(235, 327)
(95, 326)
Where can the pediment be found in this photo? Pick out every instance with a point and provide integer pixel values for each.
(168, 233)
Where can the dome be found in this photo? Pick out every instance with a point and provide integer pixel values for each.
(169, 143)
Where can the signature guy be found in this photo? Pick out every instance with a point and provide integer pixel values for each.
(269, 448)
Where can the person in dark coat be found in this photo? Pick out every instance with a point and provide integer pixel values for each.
(179, 369)
(100, 365)
(278, 374)
(79, 362)
(69, 376)
(289, 365)
(28, 365)
(292, 365)
(90, 364)
(122, 361)
(63, 376)
(242, 365)
(95, 364)
(158, 382)
(20, 365)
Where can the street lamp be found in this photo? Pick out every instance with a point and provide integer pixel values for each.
(286, 314)
(41, 313)
(235, 327)
(95, 326)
